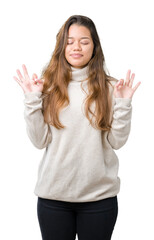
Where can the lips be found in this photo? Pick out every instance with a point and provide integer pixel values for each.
(76, 55)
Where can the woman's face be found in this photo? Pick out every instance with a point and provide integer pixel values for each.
(79, 48)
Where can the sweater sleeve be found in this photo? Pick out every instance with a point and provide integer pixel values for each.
(121, 123)
(38, 131)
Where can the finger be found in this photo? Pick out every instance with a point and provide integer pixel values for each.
(132, 80)
(35, 76)
(18, 81)
(136, 86)
(127, 77)
(20, 75)
(25, 71)
(120, 82)
(119, 87)
(36, 80)
(40, 80)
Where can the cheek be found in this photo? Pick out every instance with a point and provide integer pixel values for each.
(89, 52)
(68, 49)
(66, 52)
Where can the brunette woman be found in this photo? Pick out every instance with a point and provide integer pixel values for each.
(79, 114)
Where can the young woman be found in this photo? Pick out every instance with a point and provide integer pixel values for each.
(79, 114)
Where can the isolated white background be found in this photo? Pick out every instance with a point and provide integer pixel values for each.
(28, 31)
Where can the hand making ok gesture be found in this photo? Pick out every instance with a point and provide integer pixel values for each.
(125, 89)
(28, 84)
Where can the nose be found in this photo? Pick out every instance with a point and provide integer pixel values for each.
(77, 46)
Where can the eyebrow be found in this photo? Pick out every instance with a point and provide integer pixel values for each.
(80, 38)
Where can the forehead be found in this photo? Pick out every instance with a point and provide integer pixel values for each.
(77, 31)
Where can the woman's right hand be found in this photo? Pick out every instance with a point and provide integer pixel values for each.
(28, 84)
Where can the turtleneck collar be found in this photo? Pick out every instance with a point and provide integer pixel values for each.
(79, 74)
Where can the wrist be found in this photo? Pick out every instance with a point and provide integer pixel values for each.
(31, 91)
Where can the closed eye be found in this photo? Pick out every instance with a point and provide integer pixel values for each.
(72, 42)
(69, 43)
(85, 43)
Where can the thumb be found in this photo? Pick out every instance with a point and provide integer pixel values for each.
(34, 77)
(119, 83)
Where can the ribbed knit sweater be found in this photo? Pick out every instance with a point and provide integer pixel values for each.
(79, 163)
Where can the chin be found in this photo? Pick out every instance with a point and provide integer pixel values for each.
(78, 65)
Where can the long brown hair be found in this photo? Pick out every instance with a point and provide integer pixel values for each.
(57, 76)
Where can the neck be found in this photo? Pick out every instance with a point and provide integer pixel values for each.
(79, 74)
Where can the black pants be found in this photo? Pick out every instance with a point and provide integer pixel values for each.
(61, 220)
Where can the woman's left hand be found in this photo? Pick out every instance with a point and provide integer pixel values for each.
(125, 89)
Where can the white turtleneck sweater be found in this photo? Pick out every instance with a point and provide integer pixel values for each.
(79, 163)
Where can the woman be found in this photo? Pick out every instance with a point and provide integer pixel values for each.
(79, 114)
